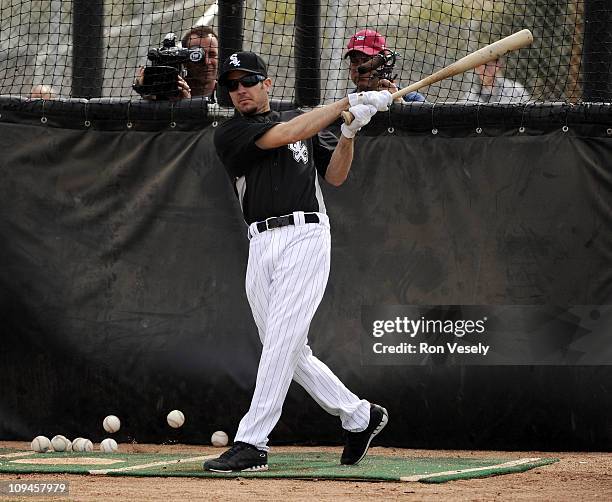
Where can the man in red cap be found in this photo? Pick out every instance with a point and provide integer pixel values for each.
(362, 47)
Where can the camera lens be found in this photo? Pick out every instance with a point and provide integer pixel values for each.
(196, 55)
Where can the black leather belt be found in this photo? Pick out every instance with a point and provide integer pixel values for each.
(283, 221)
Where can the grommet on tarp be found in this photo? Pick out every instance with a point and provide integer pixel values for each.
(565, 128)
(478, 128)
(129, 121)
(434, 130)
(608, 130)
(390, 128)
(215, 123)
(172, 121)
(522, 127)
(43, 119)
(87, 123)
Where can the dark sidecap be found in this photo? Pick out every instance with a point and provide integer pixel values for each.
(246, 61)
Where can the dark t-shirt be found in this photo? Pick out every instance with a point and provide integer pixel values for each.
(278, 181)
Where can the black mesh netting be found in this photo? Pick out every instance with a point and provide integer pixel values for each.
(93, 48)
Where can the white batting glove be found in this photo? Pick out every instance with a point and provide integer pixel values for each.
(380, 99)
(363, 114)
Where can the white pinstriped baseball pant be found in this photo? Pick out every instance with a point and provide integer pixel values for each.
(286, 277)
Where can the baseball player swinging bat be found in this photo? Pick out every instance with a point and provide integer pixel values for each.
(491, 52)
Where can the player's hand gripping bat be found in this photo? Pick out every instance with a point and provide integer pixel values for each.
(491, 52)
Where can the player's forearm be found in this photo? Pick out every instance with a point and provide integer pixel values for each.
(340, 162)
(308, 124)
(303, 126)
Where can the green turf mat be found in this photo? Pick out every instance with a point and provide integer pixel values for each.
(301, 465)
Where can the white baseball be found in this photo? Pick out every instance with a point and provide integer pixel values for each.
(219, 438)
(41, 444)
(111, 424)
(86, 445)
(60, 443)
(109, 445)
(175, 419)
(77, 444)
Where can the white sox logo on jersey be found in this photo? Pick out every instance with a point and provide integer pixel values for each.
(300, 151)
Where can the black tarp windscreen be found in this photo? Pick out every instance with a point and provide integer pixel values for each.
(122, 283)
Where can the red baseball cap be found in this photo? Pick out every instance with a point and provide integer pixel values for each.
(369, 42)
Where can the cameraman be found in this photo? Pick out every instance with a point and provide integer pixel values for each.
(361, 48)
(202, 77)
(200, 80)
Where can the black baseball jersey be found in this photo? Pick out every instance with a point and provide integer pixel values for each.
(278, 181)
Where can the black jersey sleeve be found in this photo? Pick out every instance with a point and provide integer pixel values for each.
(323, 145)
(235, 143)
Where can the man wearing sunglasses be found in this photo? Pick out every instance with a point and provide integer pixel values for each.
(273, 159)
(361, 48)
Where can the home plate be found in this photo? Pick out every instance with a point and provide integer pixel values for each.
(68, 461)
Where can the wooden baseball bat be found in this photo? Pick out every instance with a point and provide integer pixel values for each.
(491, 52)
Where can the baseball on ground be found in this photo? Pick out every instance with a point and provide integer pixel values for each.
(111, 424)
(219, 438)
(76, 444)
(86, 445)
(82, 444)
(175, 419)
(108, 445)
(41, 444)
(60, 443)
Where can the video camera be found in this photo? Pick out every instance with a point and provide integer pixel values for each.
(382, 64)
(167, 63)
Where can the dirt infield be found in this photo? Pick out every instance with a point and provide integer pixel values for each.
(578, 476)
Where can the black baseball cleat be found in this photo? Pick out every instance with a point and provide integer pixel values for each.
(240, 457)
(357, 443)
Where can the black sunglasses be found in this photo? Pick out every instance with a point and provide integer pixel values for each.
(246, 81)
